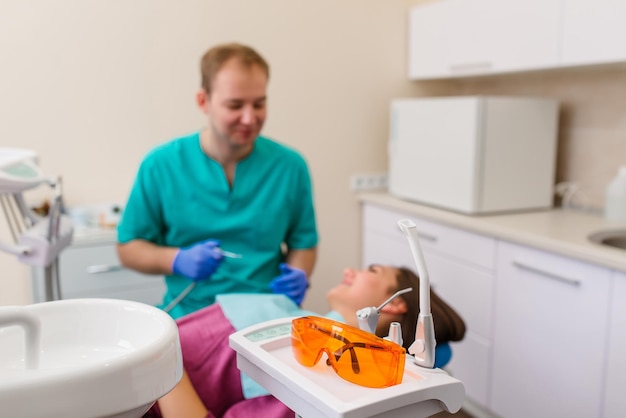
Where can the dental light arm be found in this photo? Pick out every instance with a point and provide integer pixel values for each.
(424, 346)
(37, 240)
(368, 317)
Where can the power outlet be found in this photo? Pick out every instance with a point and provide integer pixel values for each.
(371, 181)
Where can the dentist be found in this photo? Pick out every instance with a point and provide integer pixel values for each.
(225, 186)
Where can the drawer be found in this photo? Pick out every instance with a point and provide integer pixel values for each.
(94, 271)
(455, 243)
(470, 364)
(381, 248)
(469, 290)
(151, 295)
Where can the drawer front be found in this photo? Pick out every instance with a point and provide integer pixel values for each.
(469, 290)
(466, 246)
(95, 271)
(379, 248)
(470, 364)
(151, 295)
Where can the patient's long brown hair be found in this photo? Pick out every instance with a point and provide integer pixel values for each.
(449, 325)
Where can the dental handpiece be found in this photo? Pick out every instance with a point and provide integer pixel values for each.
(368, 317)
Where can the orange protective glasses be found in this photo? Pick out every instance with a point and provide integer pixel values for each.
(371, 360)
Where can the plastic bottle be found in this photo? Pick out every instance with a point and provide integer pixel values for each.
(615, 207)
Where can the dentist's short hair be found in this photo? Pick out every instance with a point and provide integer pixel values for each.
(213, 60)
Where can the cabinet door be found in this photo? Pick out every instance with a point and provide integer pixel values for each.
(449, 38)
(615, 401)
(550, 335)
(94, 271)
(469, 289)
(593, 31)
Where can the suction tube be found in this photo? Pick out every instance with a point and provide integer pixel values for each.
(424, 346)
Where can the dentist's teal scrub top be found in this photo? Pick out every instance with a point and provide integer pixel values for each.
(181, 197)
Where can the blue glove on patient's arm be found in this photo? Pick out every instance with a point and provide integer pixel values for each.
(292, 282)
(199, 261)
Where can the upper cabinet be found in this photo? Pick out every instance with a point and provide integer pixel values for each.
(457, 38)
(593, 32)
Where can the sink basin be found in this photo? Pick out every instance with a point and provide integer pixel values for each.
(83, 358)
(613, 238)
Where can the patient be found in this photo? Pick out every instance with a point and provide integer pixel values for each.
(212, 386)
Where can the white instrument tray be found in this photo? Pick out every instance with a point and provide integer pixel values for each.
(264, 353)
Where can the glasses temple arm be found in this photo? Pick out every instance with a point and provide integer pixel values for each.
(353, 358)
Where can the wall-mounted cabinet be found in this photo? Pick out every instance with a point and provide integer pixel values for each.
(458, 38)
(593, 32)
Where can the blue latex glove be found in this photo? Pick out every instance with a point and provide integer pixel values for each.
(292, 282)
(199, 261)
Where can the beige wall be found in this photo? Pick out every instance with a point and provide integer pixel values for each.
(93, 84)
(592, 125)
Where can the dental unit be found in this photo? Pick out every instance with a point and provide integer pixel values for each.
(77, 358)
(265, 354)
(37, 240)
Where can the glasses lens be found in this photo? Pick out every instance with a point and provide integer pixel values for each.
(307, 342)
(355, 355)
(376, 367)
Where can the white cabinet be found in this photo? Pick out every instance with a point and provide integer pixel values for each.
(90, 268)
(550, 335)
(615, 401)
(456, 38)
(593, 32)
(452, 38)
(461, 268)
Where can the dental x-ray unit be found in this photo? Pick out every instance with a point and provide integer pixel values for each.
(264, 353)
(37, 240)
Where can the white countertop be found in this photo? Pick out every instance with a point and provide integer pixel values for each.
(94, 236)
(559, 231)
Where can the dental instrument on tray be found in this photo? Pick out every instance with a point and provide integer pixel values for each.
(368, 317)
(424, 346)
(38, 240)
(185, 292)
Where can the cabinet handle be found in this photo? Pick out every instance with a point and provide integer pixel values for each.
(470, 66)
(427, 237)
(567, 280)
(103, 268)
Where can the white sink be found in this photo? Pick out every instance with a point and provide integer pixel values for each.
(84, 358)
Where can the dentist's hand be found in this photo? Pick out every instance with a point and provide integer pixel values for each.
(199, 261)
(292, 282)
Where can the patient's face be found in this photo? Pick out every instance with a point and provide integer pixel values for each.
(363, 288)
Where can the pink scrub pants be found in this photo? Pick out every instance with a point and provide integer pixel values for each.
(212, 367)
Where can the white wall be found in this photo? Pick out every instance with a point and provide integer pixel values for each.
(93, 84)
